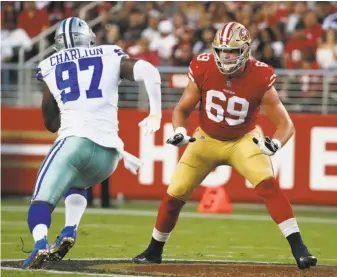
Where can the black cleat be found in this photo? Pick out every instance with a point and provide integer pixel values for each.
(304, 260)
(147, 258)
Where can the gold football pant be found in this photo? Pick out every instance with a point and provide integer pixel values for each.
(206, 153)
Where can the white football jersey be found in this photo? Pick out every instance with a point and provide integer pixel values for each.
(84, 82)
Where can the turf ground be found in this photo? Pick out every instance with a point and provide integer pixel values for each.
(245, 235)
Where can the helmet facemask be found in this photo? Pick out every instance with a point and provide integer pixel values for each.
(232, 64)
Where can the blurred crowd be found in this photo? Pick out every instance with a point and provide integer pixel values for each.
(292, 35)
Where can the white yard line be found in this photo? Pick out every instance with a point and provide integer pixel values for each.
(128, 260)
(71, 272)
(313, 220)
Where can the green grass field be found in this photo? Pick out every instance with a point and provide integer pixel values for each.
(245, 235)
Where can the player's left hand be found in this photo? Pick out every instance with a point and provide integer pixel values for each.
(267, 145)
(151, 124)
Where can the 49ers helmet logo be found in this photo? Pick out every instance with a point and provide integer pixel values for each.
(244, 34)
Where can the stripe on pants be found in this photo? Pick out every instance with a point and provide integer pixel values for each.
(46, 165)
(45, 160)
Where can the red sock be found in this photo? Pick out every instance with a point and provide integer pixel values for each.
(168, 213)
(275, 200)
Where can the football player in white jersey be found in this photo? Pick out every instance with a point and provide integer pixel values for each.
(80, 96)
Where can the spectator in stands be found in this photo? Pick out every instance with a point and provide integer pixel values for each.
(164, 45)
(183, 55)
(275, 24)
(204, 45)
(267, 37)
(112, 34)
(267, 15)
(308, 60)
(187, 38)
(12, 38)
(322, 10)
(179, 23)
(269, 57)
(192, 11)
(58, 10)
(170, 8)
(300, 9)
(330, 22)
(247, 14)
(278, 13)
(32, 20)
(135, 27)
(122, 17)
(313, 29)
(102, 30)
(218, 13)
(296, 45)
(326, 54)
(142, 51)
(205, 21)
(8, 16)
(151, 32)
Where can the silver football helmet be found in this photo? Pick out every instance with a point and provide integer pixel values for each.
(73, 32)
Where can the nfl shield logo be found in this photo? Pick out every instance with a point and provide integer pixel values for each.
(228, 83)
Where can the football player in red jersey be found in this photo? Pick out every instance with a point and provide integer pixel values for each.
(231, 88)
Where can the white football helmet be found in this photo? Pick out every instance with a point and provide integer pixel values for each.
(73, 32)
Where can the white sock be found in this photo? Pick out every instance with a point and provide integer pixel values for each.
(160, 236)
(40, 231)
(289, 227)
(75, 205)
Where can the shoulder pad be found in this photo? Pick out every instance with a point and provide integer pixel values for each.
(114, 49)
(266, 73)
(197, 67)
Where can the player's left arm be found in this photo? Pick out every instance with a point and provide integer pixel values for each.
(143, 71)
(277, 113)
(50, 110)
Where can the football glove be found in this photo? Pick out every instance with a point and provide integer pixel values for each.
(180, 137)
(151, 124)
(268, 146)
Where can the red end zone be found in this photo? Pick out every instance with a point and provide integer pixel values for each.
(306, 166)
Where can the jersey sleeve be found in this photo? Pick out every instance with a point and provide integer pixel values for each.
(39, 75)
(269, 78)
(43, 69)
(194, 71)
(114, 50)
(119, 52)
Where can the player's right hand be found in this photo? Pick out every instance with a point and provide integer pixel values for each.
(180, 137)
(150, 124)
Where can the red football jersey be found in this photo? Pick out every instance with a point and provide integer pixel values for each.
(229, 106)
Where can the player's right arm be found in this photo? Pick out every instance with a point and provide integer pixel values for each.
(50, 110)
(186, 105)
(143, 71)
(181, 113)
(190, 98)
